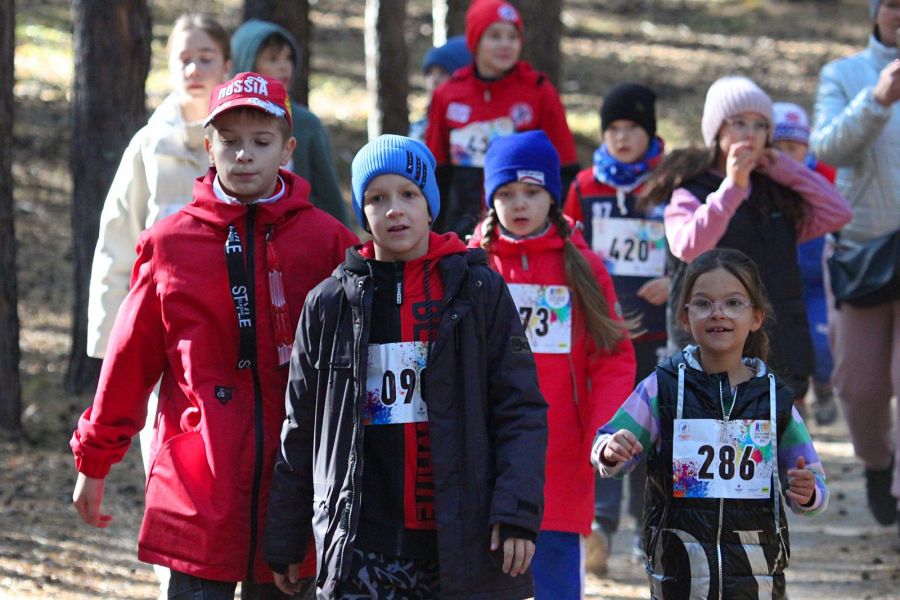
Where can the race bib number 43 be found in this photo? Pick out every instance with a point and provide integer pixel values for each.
(469, 144)
(722, 459)
(546, 313)
(630, 247)
(393, 384)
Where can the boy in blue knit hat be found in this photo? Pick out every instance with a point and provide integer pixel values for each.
(425, 478)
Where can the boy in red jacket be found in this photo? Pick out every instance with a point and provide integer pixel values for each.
(215, 296)
(495, 96)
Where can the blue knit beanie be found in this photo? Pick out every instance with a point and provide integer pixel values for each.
(528, 157)
(450, 57)
(394, 155)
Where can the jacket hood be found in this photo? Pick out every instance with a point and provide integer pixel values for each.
(439, 246)
(503, 245)
(690, 355)
(209, 209)
(248, 38)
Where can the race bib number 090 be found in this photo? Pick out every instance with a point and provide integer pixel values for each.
(722, 459)
(393, 384)
(546, 313)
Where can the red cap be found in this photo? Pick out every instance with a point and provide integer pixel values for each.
(250, 89)
(484, 13)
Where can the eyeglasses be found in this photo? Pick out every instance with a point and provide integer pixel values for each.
(742, 126)
(732, 308)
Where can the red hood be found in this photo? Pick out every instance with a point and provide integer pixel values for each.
(439, 246)
(507, 246)
(209, 209)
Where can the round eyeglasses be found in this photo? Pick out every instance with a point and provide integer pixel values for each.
(732, 308)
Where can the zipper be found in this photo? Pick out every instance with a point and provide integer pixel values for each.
(719, 543)
(398, 283)
(257, 399)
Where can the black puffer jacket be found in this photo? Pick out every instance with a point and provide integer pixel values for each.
(708, 548)
(486, 416)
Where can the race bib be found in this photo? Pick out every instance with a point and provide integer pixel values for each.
(631, 247)
(393, 384)
(469, 144)
(546, 313)
(722, 459)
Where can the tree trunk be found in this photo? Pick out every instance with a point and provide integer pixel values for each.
(449, 18)
(543, 32)
(10, 388)
(387, 81)
(112, 59)
(293, 15)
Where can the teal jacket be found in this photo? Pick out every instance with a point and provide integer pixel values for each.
(312, 158)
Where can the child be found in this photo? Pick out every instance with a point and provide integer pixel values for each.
(414, 478)
(271, 50)
(740, 193)
(495, 96)
(629, 237)
(791, 136)
(215, 294)
(438, 65)
(584, 357)
(154, 180)
(714, 523)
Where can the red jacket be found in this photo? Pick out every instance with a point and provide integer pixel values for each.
(522, 100)
(583, 388)
(217, 429)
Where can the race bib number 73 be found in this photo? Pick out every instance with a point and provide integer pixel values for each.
(546, 313)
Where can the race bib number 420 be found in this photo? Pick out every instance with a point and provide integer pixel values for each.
(722, 459)
(546, 313)
(393, 384)
(630, 247)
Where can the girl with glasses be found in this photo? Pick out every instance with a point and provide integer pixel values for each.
(725, 447)
(741, 193)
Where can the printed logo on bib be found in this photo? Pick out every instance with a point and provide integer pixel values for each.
(631, 247)
(546, 313)
(458, 112)
(722, 459)
(469, 144)
(521, 114)
(393, 384)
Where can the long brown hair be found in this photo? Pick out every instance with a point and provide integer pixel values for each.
(676, 168)
(744, 270)
(606, 331)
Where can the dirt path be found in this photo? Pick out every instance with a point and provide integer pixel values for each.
(46, 552)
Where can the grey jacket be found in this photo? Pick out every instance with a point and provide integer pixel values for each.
(862, 139)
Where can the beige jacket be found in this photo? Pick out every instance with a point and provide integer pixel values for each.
(154, 180)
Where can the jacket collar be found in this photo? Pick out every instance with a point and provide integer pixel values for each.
(504, 246)
(880, 54)
(439, 246)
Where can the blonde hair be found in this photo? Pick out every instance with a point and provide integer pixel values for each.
(606, 331)
(208, 25)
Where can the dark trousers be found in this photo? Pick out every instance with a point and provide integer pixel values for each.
(187, 587)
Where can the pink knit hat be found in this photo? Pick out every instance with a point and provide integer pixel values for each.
(729, 96)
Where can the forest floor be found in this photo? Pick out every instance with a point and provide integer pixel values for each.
(676, 46)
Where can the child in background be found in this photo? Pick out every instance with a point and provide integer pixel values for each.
(495, 96)
(629, 237)
(740, 193)
(584, 358)
(425, 479)
(791, 136)
(154, 180)
(438, 65)
(215, 295)
(723, 444)
(271, 50)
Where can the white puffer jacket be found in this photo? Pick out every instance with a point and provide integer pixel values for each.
(862, 138)
(154, 180)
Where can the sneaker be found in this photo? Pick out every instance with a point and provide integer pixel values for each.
(597, 553)
(878, 491)
(825, 409)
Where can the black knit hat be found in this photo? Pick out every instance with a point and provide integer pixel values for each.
(631, 101)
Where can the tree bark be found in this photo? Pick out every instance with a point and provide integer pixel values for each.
(449, 18)
(10, 388)
(112, 59)
(387, 81)
(543, 32)
(293, 15)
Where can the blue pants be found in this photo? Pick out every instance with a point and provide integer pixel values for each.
(558, 566)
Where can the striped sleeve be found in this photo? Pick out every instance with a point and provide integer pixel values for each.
(795, 442)
(639, 414)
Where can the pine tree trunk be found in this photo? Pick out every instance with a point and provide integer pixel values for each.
(449, 18)
(293, 15)
(10, 385)
(543, 32)
(112, 59)
(387, 81)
